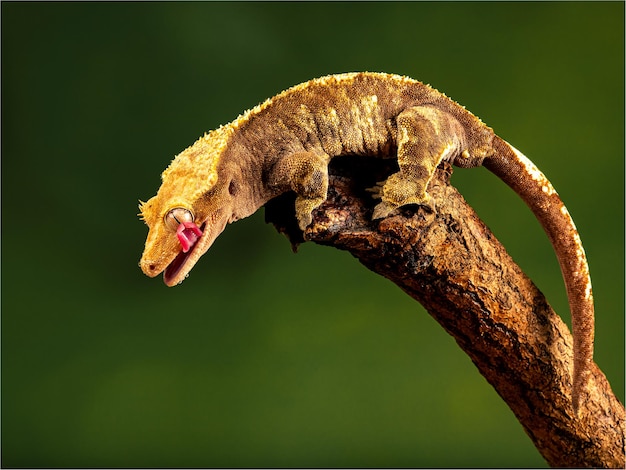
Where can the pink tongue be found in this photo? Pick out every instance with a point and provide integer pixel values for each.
(188, 234)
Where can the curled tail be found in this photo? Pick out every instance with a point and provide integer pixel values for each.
(518, 172)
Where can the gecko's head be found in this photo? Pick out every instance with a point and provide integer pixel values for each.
(192, 207)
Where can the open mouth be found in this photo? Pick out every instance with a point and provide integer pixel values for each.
(188, 234)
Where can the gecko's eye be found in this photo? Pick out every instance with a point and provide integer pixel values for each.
(177, 216)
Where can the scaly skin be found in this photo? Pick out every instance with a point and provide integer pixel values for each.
(285, 144)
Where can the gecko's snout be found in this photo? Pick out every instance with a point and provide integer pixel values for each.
(149, 268)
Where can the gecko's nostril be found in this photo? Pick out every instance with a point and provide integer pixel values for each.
(151, 267)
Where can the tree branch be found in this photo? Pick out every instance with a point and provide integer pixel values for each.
(453, 265)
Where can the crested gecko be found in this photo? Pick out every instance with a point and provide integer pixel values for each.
(286, 143)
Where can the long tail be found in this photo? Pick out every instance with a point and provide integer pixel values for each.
(533, 187)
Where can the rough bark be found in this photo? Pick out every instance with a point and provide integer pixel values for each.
(451, 263)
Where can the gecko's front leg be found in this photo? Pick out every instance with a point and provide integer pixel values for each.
(426, 137)
(305, 173)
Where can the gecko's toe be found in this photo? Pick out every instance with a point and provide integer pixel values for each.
(376, 190)
(382, 210)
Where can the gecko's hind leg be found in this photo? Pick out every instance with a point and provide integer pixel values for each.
(426, 137)
(305, 173)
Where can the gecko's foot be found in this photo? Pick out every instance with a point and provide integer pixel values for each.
(384, 209)
(396, 192)
(305, 208)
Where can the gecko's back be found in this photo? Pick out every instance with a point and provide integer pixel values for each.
(352, 113)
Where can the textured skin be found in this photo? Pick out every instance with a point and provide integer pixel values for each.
(285, 144)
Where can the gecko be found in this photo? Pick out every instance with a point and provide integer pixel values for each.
(285, 144)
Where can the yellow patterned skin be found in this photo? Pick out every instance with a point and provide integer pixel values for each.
(285, 144)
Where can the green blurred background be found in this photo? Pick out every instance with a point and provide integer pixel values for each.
(262, 357)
